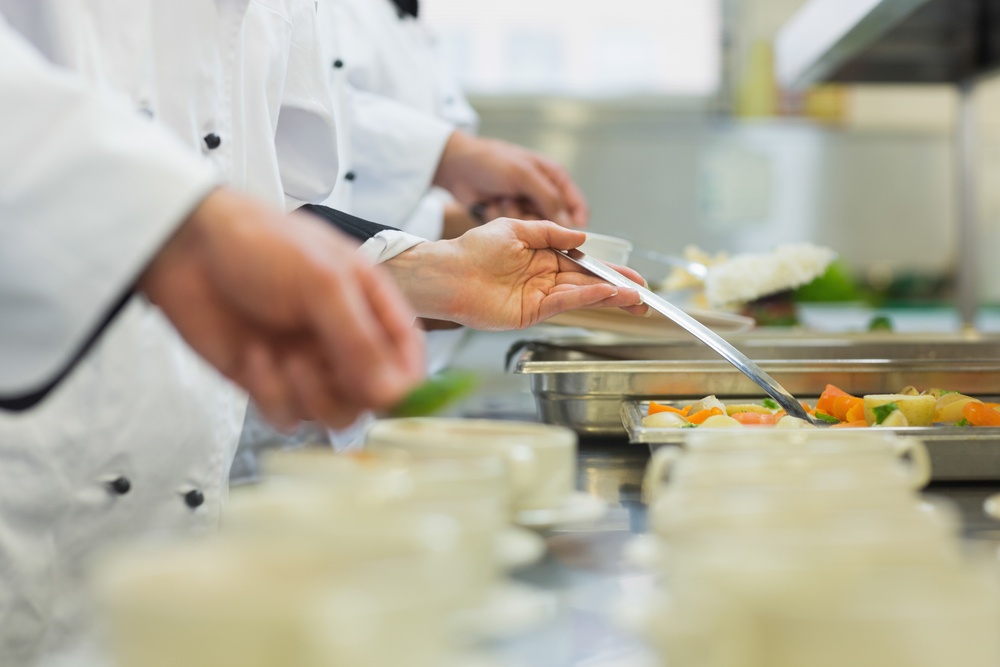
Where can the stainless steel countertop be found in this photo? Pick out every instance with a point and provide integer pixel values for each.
(585, 567)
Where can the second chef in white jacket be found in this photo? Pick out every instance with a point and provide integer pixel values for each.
(400, 104)
(140, 437)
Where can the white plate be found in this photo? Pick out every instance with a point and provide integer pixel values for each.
(644, 552)
(478, 658)
(510, 609)
(578, 507)
(638, 657)
(518, 547)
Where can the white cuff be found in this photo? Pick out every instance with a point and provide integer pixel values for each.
(385, 245)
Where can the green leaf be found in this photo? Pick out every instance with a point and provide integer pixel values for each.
(436, 393)
(880, 323)
(962, 422)
(829, 419)
(770, 404)
(948, 391)
(883, 411)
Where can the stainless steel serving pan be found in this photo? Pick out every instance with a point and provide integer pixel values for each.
(956, 453)
(582, 382)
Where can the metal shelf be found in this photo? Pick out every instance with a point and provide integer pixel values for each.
(906, 41)
(889, 41)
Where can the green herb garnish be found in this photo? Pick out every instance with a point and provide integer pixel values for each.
(436, 393)
(962, 422)
(770, 404)
(883, 411)
(689, 425)
(880, 323)
(829, 419)
(948, 391)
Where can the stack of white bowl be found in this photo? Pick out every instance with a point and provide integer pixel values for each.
(812, 548)
(396, 555)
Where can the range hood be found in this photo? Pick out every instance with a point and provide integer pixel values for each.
(889, 41)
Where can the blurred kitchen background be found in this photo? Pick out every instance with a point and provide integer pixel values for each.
(669, 114)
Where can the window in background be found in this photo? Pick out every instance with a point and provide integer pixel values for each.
(582, 48)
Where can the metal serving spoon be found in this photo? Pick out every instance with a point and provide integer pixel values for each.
(699, 331)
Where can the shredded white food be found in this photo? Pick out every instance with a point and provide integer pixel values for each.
(750, 276)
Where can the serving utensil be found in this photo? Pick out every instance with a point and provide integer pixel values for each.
(696, 269)
(739, 360)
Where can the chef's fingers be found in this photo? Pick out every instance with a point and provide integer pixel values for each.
(320, 401)
(268, 388)
(534, 184)
(631, 274)
(567, 297)
(406, 341)
(353, 340)
(575, 203)
(545, 234)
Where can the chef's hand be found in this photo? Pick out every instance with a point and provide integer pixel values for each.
(286, 308)
(505, 275)
(477, 170)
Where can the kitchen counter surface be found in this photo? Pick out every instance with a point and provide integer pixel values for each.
(585, 568)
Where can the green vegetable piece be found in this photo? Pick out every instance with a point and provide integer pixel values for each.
(880, 323)
(690, 426)
(883, 411)
(962, 422)
(436, 393)
(948, 391)
(770, 403)
(829, 419)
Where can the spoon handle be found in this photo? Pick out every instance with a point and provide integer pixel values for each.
(699, 331)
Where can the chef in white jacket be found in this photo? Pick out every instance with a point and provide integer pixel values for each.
(400, 98)
(408, 127)
(140, 436)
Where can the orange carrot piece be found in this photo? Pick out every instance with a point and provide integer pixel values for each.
(981, 415)
(854, 424)
(700, 416)
(856, 412)
(826, 399)
(655, 407)
(687, 409)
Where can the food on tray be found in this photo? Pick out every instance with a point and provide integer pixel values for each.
(909, 407)
(732, 281)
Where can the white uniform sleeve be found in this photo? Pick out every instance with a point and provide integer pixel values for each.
(385, 245)
(306, 136)
(396, 154)
(427, 219)
(88, 192)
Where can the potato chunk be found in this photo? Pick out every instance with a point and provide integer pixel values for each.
(918, 410)
(665, 420)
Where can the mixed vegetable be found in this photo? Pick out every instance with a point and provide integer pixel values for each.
(909, 407)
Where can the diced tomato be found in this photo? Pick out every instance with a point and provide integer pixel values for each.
(979, 414)
(700, 416)
(755, 418)
(655, 407)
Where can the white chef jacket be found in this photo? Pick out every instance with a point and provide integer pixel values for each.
(402, 103)
(139, 438)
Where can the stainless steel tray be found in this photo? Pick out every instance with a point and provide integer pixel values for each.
(581, 382)
(957, 454)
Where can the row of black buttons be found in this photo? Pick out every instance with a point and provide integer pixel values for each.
(121, 485)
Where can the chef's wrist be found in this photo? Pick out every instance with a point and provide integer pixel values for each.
(429, 275)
